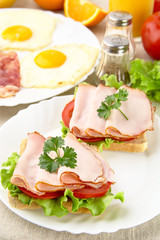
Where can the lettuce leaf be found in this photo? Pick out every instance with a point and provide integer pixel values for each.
(55, 206)
(146, 77)
(64, 130)
(104, 144)
(111, 81)
(6, 173)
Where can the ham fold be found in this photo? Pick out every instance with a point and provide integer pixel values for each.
(91, 169)
(86, 123)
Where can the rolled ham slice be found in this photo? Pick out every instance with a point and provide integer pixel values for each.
(86, 123)
(91, 169)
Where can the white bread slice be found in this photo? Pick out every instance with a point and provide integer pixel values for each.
(137, 145)
(16, 203)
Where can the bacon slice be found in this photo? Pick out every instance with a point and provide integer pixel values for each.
(85, 121)
(9, 74)
(91, 169)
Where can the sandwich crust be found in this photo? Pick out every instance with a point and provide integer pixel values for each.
(136, 145)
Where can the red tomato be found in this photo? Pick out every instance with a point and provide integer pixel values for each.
(48, 195)
(92, 139)
(67, 113)
(150, 33)
(89, 192)
(156, 6)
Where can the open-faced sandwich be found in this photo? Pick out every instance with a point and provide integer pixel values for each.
(58, 175)
(113, 119)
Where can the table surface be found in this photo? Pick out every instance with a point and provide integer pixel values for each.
(14, 227)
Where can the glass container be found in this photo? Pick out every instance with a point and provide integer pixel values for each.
(120, 22)
(114, 59)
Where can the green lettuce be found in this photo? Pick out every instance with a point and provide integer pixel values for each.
(55, 206)
(101, 145)
(146, 77)
(6, 173)
(64, 130)
(111, 81)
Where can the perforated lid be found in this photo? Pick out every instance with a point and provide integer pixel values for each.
(116, 44)
(120, 18)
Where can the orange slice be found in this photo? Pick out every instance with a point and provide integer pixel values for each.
(84, 11)
(50, 4)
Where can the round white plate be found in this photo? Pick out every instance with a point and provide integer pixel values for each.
(137, 174)
(67, 31)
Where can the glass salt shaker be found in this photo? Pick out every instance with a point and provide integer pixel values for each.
(120, 22)
(114, 59)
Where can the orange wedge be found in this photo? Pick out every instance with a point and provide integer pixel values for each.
(84, 11)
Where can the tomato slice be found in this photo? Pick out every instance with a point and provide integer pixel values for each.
(67, 113)
(92, 139)
(47, 195)
(89, 192)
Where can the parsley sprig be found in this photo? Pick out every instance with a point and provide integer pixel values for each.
(68, 158)
(112, 102)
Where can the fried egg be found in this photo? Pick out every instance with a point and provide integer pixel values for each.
(57, 66)
(26, 29)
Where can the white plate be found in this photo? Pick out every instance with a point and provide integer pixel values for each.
(67, 31)
(137, 174)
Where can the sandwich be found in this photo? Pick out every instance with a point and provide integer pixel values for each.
(58, 175)
(110, 118)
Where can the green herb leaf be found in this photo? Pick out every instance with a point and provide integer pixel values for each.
(48, 163)
(68, 158)
(52, 144)
(104, 111)
(112, 102)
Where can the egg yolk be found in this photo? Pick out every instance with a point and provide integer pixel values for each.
(17, 33)
(50, 59)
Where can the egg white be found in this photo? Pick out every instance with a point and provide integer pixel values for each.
(40, 23)
(80, 60)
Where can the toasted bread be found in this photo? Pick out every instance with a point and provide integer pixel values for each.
(137, 145)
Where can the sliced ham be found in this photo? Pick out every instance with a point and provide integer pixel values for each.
(9, 74)
(85, 118)
(91, 170)
(85, 121)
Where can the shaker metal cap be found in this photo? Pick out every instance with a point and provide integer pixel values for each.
(119, 18)
(116, 43)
